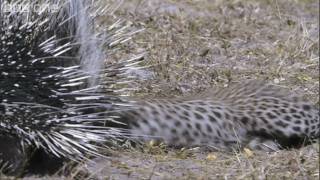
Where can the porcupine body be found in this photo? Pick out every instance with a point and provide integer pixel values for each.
(50, 103)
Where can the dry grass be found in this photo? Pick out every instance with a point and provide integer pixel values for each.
(194, 45)
(200, 164)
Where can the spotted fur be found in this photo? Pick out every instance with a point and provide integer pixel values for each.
(251, 114)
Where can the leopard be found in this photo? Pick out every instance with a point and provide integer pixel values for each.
(251, 114)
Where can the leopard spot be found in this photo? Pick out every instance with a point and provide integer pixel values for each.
(187, 107)
(271, 116)
(212, 119)
(219, 134)
(276, 112)
(173, 131)
(306, 107)
(177, 108)
(244, 120)
(217, 114)
(154, 112)
(297, 116)
(185, 133)
(186, 113)
(145, 121)
(264, 120)
(302, 114)
(184, 118)
(296, 128)
(172, 111)
(201, 110)
(287, 118)
(189, 126)
(293, 110)
(177, 123)
(198, 116)
(283, 110)
(269, 126)
(198, 126)
(209, 129)
(196, 133)
(281, 124)
(297, 122)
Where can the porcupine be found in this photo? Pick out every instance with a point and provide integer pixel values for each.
(50, 104)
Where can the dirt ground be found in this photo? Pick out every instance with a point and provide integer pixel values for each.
(191, 46)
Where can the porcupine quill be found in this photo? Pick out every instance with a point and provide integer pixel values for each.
(55, 94)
